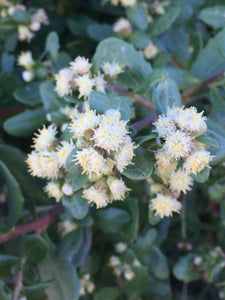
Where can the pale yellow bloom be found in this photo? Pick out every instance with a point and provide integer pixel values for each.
(53, 190)
(165, 205)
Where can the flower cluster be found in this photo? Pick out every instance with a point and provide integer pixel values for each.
(179, 156)
(86, 284)
(25, 32)
(104, 147)
(119, 268)
(125, 3)
(123, 26)
(78, 77)
(150, 51)
(25, 60)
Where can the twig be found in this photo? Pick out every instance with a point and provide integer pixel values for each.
(122, 285)
(7, 112)
(175, 63)
(35, 226)
(145, 123)
(18, 283)
(135, 97)
(183, 219)
(198, 87)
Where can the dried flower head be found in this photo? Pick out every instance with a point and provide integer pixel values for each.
(44, 139)
(25, 59)
(123, 26)
(98, 197)
(64, 82)
(165, 205)
(197, 161)
(85, 85)
(180, 181)
(80, 66)
(53, 190)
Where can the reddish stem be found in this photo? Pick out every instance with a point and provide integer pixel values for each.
(7, 112)
(18, 284)
(145, 123)
(135, 97)
(35, 226)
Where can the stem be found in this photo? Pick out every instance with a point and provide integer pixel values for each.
(35, 226)
(183, 219)
(175, 63)
(18, 283)
(7, 112)
(184, 295)
(135, 97)
(198, 87)
(145, 123)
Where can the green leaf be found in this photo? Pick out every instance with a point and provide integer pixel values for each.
(78, 24)
(21, 17)
(156, 262)
(76, 205)
(29, 94)
(142, 165)
(71, 243)
(210, 60)
(3, 291)
(66, 284)
(137, 15)
(145, 243)
(184, 269)
(11, 42)
(50, 98)
(99, 32)
(8, 260)
(33, 248)
(214, 16)
(52, 45)
(152, 218)
(217, 98)
(113, 49)
(164, 22)
(101, 102)
(202, 176)
(15, 197)
(139, 39)
(7, 62)
(111, 293)
(111, 220)
(25, 123)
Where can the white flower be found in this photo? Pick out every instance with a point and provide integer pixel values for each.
(120, 247)
(97, 197)
(67, 189)
(114, 2)
(45, 138)
(123, 26)
(197, 161)
(43, 165)
(64, 82)
(53, 190)
(28, 76)
(100, 83)
(80, 66)
(164, 125)
(111, 69)
(164, 205)
(85, 85)
(91, 161)
(150, 51)
(40, 17)
(180, 181)
(24, 33)
(124, 155)
(128, 273)
(128, 3)
(110, 134)
(25, 60)
(35, 26)
(83, 122)
(11, 10)
(159, 9)
(178, 144)
(114, 261)
(64, 151)
(117, 188)
(164, 161)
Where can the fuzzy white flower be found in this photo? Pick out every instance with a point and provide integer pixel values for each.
(63, 151)
(128, 3)
(24, 33)
(97, 197)
(112, 69)
(64, 82)
(100, 83)
(117, 188)
(85, 85)
(164, 161)
(164, 205)
(124, 156)
(44, 164)
(91, 161)
(120, 247)
(53, 190)
(150, 51)
(45, 137)
(34, 26)
(28, 76)
(180, 181)
(80, 66)
(128, 273)
(83, 122)
(25, 59)
(164, 126)
(110, 134)
(197, 161)
(123, 26)
(40, 17)
(178, 144)
(67, 189)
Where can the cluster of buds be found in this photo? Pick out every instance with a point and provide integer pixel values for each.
(105, 149)
(86, 285)
(25, 32)
(78, 77)
(180, 155)
(123, 26)
(120, 268)
(125, 3)
(25, 60)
